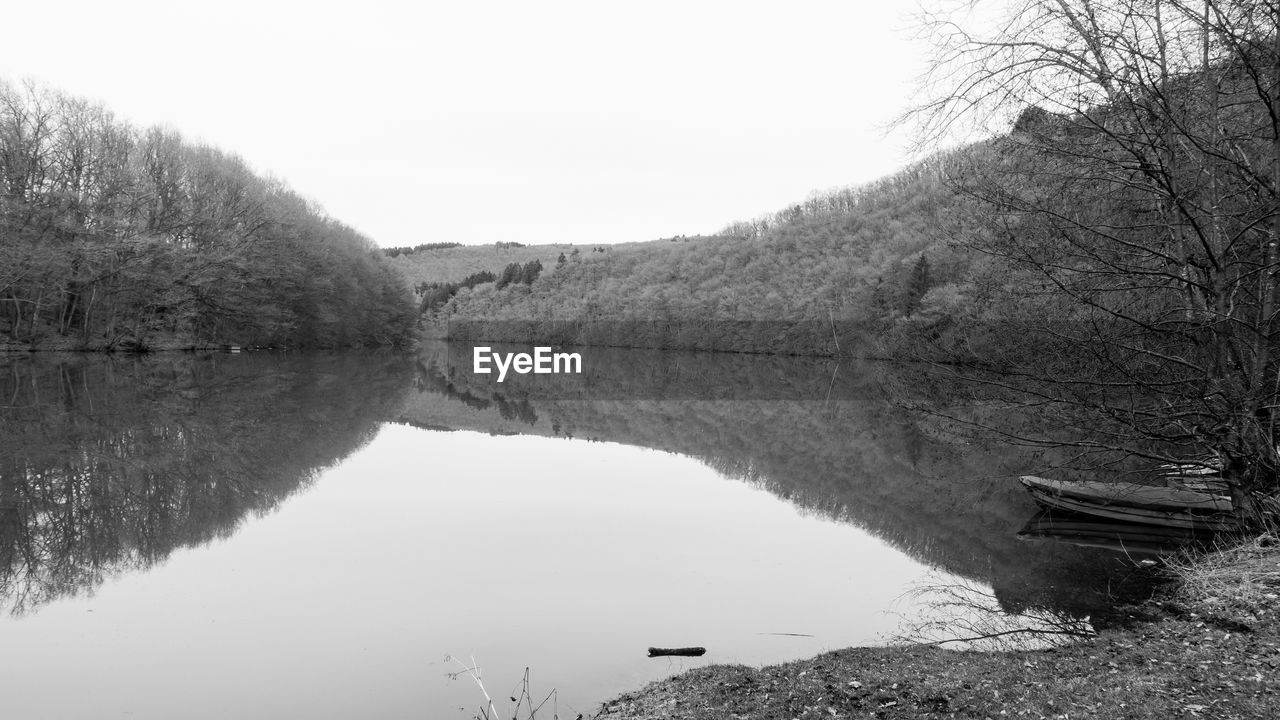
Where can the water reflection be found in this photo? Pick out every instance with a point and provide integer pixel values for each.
(109, 463)
(572, 558)
(1131, 539)
(964, 615)
(816, 433)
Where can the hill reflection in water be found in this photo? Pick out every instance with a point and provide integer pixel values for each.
(814, 432)
(108, 464)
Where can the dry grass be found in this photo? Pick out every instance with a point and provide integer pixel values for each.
(1240, 583)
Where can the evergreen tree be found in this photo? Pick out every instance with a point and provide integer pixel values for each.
(917, 285)
(512, 273)
(530, 272)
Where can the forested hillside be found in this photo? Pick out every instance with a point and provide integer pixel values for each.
(116, 237)
(441, 263)
(796, 281)
(446, 262)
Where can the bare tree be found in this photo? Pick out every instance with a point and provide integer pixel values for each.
(1137, 198)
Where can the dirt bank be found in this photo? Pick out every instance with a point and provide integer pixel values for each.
(1209, 648)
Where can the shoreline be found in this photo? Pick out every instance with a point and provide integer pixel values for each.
(178, 347)
(132, 347)
(1208, 647)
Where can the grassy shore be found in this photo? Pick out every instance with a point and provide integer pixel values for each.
(1209, 647)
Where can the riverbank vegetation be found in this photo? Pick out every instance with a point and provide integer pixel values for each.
(116, 237)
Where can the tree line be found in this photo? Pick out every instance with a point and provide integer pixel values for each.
(435, 295)
(422, 247)
(117, 237)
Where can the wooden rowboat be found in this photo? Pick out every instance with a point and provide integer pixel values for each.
(1150, 497)
(1145, 504)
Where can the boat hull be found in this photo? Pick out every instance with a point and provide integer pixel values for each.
(1134, 503)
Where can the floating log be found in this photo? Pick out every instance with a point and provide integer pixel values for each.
(680, 652)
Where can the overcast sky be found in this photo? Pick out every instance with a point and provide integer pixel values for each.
(534, 121)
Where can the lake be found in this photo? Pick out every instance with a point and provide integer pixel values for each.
(273, 535)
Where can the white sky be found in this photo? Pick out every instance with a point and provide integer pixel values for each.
(535, 121)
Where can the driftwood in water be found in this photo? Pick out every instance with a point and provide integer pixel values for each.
(685, 652)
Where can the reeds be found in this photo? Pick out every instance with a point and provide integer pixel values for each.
(522, 698)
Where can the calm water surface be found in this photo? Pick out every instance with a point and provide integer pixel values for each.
(268, 536)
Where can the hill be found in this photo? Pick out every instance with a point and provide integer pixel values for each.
(118, 237)
(450, 264)
(446, 263)
(809, 279)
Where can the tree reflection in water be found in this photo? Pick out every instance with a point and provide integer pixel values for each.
(969, 616)
(110, 463)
